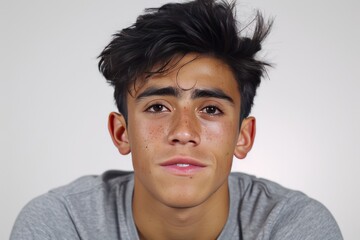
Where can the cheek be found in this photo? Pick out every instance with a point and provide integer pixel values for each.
(145, 135)
(222, 138)
(143, 148)
(223, 133)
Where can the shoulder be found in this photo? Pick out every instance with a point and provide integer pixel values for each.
(92, 187)
(305, 218)
(280, 212)
(58, 212)
(90, 183)
(40, 218)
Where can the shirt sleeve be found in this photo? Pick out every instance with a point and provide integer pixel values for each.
(305, 219)
(43, 218)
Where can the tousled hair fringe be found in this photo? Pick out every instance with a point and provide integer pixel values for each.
(207, 27)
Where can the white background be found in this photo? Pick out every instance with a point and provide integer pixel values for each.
(54, 103)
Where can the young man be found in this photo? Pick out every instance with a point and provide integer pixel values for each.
(185, 78)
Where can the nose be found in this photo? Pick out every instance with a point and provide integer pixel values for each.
(184, 129)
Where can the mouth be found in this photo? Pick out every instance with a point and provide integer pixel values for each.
(183, 166)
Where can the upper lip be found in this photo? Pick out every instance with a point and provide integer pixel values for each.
(182, 160)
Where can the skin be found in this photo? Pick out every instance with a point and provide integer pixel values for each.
(191, 113)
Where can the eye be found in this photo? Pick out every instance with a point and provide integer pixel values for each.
(157, 108)
(211, 110)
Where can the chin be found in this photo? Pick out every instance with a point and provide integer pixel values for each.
(183, 197)
(182, 202)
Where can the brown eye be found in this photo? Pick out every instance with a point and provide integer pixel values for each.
(155, 108)
(212, 110)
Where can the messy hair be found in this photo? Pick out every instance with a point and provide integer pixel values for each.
(207, 27)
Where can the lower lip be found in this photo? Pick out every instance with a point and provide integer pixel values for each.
(183, 170)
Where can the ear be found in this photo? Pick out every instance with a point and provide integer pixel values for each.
(118, 132)
(246, 137)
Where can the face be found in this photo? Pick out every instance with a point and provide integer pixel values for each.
(183, 129)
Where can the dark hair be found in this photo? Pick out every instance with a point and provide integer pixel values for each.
(206, 27)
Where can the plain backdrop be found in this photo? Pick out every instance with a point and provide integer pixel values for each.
(54, 103)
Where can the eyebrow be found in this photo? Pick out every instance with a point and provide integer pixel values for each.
(174, 92)
(152, 91)
(211, 93)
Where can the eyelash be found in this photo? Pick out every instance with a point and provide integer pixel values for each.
(151, 108)
(163, 108)
(217, 110)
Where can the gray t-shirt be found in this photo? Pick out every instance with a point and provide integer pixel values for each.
(99, 207)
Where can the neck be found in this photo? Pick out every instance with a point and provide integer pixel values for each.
(156, 220)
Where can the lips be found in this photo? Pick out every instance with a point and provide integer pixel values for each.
(183, 161)
(183, 166)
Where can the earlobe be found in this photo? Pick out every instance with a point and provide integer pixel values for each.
(118, 132)
(246, 137)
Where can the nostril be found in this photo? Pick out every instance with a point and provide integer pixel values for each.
(183, 138)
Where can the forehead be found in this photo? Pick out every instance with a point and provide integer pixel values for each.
(190, 72)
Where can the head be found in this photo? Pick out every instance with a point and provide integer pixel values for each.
(207, 27)
(185, 79)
